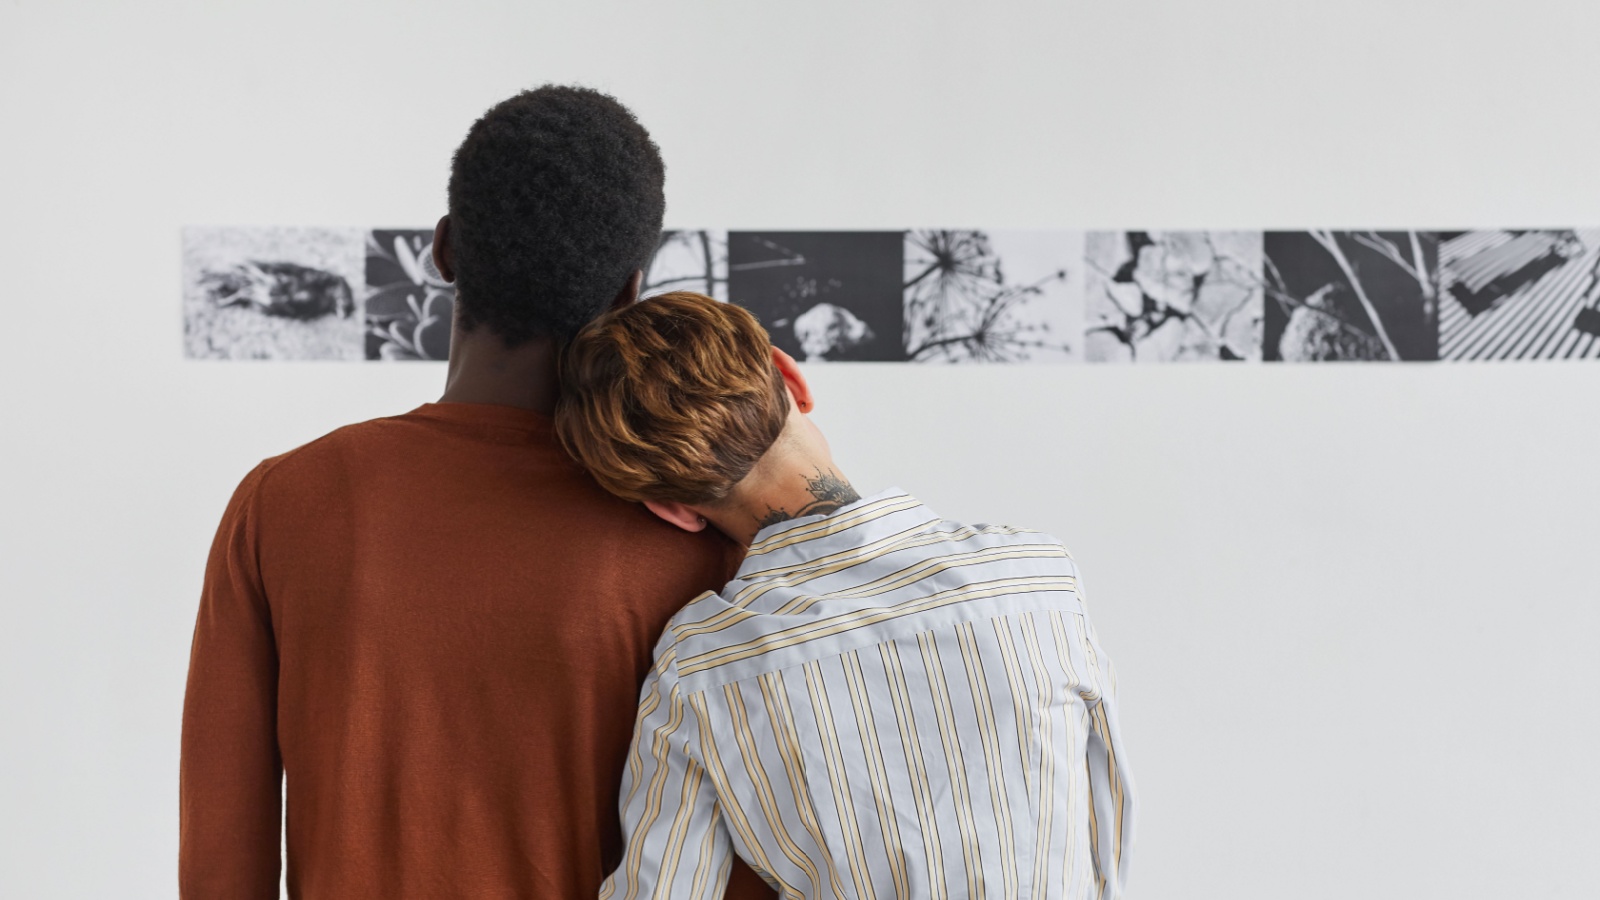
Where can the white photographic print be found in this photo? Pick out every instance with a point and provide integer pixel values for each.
(1173, 296)
(993, 296)
(1519, 294)
(272, 293)
(689, 260)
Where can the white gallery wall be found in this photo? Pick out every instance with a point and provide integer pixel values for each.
(1353, 606)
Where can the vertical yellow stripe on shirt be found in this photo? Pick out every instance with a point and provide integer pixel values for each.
(702, 864)
(989, 739)
(921, 791)
(660, 750)
(1113, 787)
(764, 795)
(956, 767)
(650, 703)
(1115, 784)
(1107, 681)
(672, 855)
(859, 873)
(1020, 697)
(1043, 835)
(1092, 871)
(776, 696)
(1079, 777)
(877, 776)
(719, 777)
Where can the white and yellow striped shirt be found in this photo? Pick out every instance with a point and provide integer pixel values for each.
(882, 704)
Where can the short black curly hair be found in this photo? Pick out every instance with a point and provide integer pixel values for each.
(556, 197)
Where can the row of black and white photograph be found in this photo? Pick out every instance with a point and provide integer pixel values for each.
(961, 295)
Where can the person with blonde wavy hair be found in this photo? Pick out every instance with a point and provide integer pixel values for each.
(882, 702)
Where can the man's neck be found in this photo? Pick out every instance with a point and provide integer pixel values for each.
(484, 370)
(788, 488)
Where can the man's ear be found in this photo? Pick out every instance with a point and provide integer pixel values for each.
(678, 514)
(444, 254)
(630, 291)
(798, 388)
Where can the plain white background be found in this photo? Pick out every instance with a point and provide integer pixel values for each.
(1353, 605)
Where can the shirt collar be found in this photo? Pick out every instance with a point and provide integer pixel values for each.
(862, 522)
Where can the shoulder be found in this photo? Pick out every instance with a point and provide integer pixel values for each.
(704, 613)
(1005, 534)
(313, 457)
(357, 437)
(693, 618)
(1010, 541)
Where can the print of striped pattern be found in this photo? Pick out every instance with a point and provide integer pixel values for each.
(1533, 322)
(882, 704)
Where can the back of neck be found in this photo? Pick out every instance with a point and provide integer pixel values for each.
(787, 486)
(484, 370)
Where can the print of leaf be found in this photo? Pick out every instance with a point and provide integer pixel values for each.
(407, 260)
(440, 302)
(397, 333)
(392, 302)
(393, 351)
(433, 338)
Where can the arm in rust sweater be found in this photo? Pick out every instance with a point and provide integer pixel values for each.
(230, 777)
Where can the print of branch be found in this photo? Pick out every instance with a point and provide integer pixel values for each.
(707, 274)
(1275, 287)
(1387, 248)
(1330, 243)
(962, 284)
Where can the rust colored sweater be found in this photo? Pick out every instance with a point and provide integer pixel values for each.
(436, 625)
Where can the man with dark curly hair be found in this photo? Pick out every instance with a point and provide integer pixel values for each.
(431, 629)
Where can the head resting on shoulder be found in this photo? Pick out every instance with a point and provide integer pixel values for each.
(681, 402)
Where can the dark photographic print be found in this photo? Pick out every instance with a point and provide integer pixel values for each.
(822, 295)
(409, 306)
(1519, 295)
(1173, 296)
(1351, 295)
(271, 293)
(993, 296)
(689, 261)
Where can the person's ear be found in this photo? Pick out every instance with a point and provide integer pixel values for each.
(444, 255)
(678, 514)
(798, 388)
(630, 291)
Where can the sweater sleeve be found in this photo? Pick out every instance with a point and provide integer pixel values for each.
(230, 775)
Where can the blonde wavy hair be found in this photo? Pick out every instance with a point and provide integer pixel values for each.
(674, 398)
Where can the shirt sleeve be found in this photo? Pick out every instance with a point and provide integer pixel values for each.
(676, 842)
(230, 774)
(1111, 790)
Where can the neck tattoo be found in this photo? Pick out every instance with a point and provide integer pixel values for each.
(831, 492)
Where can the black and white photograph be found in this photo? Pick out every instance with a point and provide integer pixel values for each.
(1173, 296)
(689, 260)
(993, 296)
(1519, 294)
(1351, 295)
(272, 293)
(823, 295)
(409, 307)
